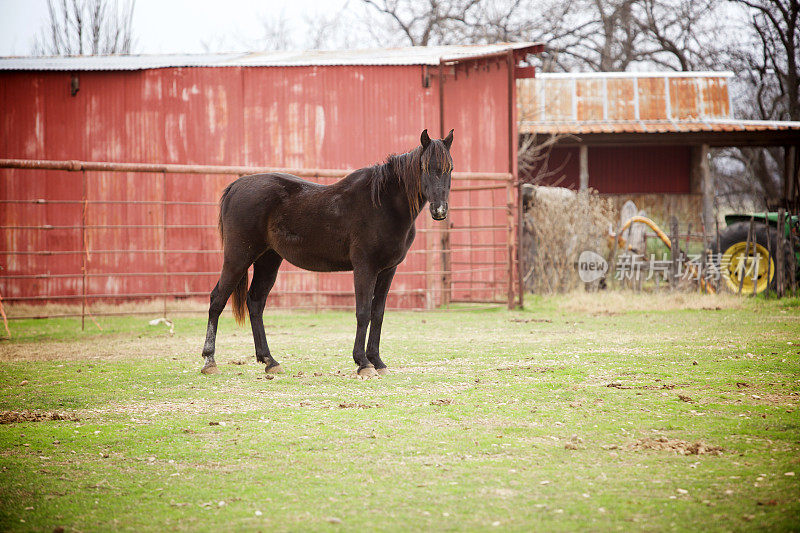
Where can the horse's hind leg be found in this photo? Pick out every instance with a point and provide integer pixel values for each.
(265, 270)
(228, 279)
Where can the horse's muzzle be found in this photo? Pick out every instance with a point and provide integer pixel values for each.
(439, 212)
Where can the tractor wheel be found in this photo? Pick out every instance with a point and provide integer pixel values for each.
(758, 266)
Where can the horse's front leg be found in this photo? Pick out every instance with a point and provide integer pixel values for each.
(364, 281)
(382, 285)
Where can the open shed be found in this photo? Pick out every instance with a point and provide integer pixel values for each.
(646, 136)
(73, 231)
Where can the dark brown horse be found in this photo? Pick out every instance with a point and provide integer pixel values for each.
(363, 223)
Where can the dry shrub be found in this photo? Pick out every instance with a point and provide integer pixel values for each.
(560, 224)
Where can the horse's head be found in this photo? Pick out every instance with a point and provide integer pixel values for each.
(436, 168)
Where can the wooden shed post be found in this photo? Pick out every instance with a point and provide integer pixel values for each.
(789, 172)
(705, 180)
(584, 167)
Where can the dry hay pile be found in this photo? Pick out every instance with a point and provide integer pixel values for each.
(559, 225)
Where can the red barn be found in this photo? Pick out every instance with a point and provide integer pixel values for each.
(92, 234)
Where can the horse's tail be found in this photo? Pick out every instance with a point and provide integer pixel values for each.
(240, 300)
(240, 292)
(221, 209)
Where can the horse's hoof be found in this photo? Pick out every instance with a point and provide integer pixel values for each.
(274, 369)
(368, 372)
(209, 369)
(383, 371)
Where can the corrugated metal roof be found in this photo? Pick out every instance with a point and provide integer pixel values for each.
(655, 126)
(632, 102)
(413, 55)
(611, 101)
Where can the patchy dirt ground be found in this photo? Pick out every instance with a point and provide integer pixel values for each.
(557, 418)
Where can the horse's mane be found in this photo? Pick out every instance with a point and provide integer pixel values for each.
(407, 169)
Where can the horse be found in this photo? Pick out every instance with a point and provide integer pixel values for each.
(363, 223)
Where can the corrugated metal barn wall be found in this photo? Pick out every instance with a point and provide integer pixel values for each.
(312, 117)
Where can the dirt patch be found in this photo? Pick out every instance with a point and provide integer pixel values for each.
(615, 302)
(358, 406)
(14, 417)
(539, 369)
(680, 447)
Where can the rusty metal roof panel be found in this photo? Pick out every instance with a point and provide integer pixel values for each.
(614, 101)
(412, 55)
(655, 126)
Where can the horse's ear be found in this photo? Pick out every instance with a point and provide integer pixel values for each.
(448, 141)
(424, 139)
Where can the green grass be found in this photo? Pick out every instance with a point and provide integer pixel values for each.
(468, 432)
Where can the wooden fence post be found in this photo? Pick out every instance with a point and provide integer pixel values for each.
(703, 261)
(675, 249)
(520, 238)
(613, 260)
(769, 256)
(792, 256)
(780, 260)
(743, 262)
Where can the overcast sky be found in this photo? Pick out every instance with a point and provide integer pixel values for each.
(171, 26)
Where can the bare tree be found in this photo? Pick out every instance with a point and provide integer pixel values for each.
(594, 35)
(534, 159)
(429, 22)
(774, 56)
(608, 39)
(276, 34)
(86, 27)
(767, 64)
(683, 34)
(313, 31)
(340, 30)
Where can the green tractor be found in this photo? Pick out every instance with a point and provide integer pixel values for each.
(757, 261)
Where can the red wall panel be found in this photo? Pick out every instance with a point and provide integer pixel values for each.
(648, 169)
(624, 169)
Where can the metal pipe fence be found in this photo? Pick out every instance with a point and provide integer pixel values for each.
(92, 258)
